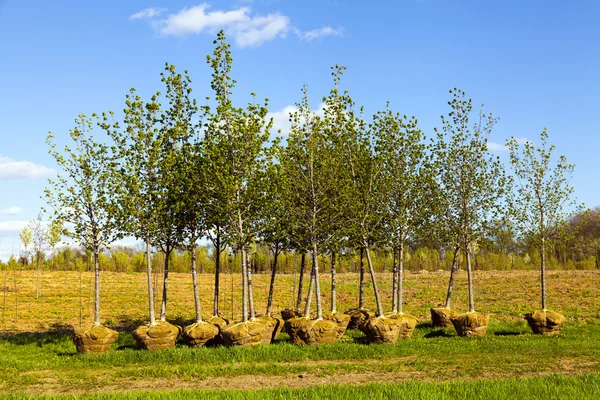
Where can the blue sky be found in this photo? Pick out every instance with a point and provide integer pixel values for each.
(534, 63)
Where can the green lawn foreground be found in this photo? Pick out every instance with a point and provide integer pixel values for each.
(434, 361)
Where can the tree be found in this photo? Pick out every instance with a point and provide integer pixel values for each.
(39, 242)
(236, 146)
(139, 195)
(409, 177)
(82, 196)
(55, 232)
(26, 237)
(138, 153)
(540, 204)
(472, 182)
(310, 170)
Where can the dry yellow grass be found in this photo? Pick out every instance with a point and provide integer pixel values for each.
(67, 297)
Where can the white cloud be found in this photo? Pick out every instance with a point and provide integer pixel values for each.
(498, 147)
(246, 28)
(321, 32)
(281, 119)
(11, 211)
(12, 169)
(147, 13)
(8, 228)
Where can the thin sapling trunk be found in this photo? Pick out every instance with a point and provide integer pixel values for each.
(400, 277)
(300, 282)
(311, 286)
(395, 283)
(195, 284)
(452, 275)
(543, 273)
(470, 281)
(244, 287)
(217, 271)
(375, 289)
(317, 285)
(361, 280)
(250, 293)
(163, 305)
(333, 284)
(96, 289)
(272, 284)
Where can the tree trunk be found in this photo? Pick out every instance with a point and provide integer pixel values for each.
(217, 272)
(150, 287)
(361, 281)
(452, 275)
(317, 285)
(375, 289)
(543, 273)
(96, 289)
(470, 281)
(400, 284)
(300, 282)
(311, 285)
(250, 295)
(163, 305)
(272, 284)
(37, 285)
(395, 282)
(244, 287)
(195, 284)
(333, 284)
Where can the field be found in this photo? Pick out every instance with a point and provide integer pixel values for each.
(37, 356)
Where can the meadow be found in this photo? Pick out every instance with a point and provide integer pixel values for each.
(37, 356)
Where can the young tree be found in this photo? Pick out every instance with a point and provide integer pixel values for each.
(540, 205)
(237, 153)
(406, 164)
(81, 196)
(185, 206)
(472, 182)
(26, 237)
(55, 232)
(138, 194)
(310, 171)
(39, 234)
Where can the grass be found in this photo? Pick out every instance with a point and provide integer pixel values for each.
(42, 363)
(547, 387)
(507, 295)
(435, 363)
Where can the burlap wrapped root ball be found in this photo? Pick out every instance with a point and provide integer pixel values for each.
(318, 331)
(197, 334)
(545, 322)
(441, 317)
(470, 324)
(96, 339)
(162, 335)
(381, 330)
(292, 327)
(358, 316)
(247, 334)
(220, 323)
(342, 321)
(289, 314)
(274, 327)
(406, 324)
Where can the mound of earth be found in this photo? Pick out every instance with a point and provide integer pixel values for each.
(342, 321)
(381, 330)
(247, 334)
(441, 317)
(96, 339)
(470, 324)
(358, 316)
(196, 335)
(162, 335)
(545, 322)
